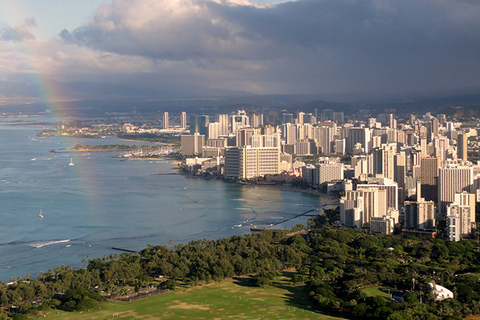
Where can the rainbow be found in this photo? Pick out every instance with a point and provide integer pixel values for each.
(46, 94)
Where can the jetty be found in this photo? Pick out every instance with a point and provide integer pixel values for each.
(124, 250)
(283, 221)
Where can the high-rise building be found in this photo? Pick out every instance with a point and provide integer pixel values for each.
(453, 179)
(165, 120)
(265, 141)
(429, 175)
(300, 118)
(441, 147)
(192, 144)
(459, 222)
(213, 130)
(240, 120)
(244, 136)
(326, 172)
(305, 147)
(199, 124)
(183, 120)
(257, 120)
(248, 162)
(383, 160)
(222, 119)
(400, 173)
(338, 118)
(358, 135)
(374, 203)
(462, 146)
(351, 211)
(386, 184)
(289, 132)
(324, 135)
(467, 199)
(384, 225)
(419, 214)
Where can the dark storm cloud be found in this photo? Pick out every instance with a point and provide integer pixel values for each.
(335, 44)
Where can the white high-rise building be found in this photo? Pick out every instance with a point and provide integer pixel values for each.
(240, 120)
(389, 185)
(248, 162)
(459, 222)
(213, 130)
(326, 172)
(374, 203)
(222, 119)
(453, 179)
(165, 120)
(183, 120)
(467, 199)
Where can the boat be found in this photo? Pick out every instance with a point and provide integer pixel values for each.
(40, 215)
(71, 162)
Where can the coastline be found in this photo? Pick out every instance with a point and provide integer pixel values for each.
(328, 201)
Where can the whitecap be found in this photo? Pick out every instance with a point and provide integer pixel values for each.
(47, 243)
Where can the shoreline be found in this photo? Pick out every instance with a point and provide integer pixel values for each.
(328, 201)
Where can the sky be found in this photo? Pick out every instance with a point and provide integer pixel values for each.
(377, 47)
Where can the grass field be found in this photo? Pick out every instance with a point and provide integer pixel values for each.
(380, 291)
(229, 299)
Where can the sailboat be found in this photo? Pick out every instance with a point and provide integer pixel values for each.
(71, 162)
(40, 215)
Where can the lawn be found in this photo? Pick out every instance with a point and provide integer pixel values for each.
(229, 299)
(380, 291)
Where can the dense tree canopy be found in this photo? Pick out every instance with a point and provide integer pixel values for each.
(335, 265)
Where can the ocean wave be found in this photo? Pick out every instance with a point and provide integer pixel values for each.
(47, 243)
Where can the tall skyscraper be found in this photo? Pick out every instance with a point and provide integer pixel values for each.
(338, 118)
(383, 160)
(300, 118)
(400, 174)
(199, 124)
(183, 120)
(222, 119)
(165, 120)
(213, 130)
(462, 146)
(358, 135)
(429, 175)
(441, 145)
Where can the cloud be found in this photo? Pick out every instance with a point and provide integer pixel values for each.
(306, 46)
(19, 33)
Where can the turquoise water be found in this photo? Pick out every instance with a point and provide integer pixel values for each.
(102, 202)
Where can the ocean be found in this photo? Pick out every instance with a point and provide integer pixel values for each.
(102, 202)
